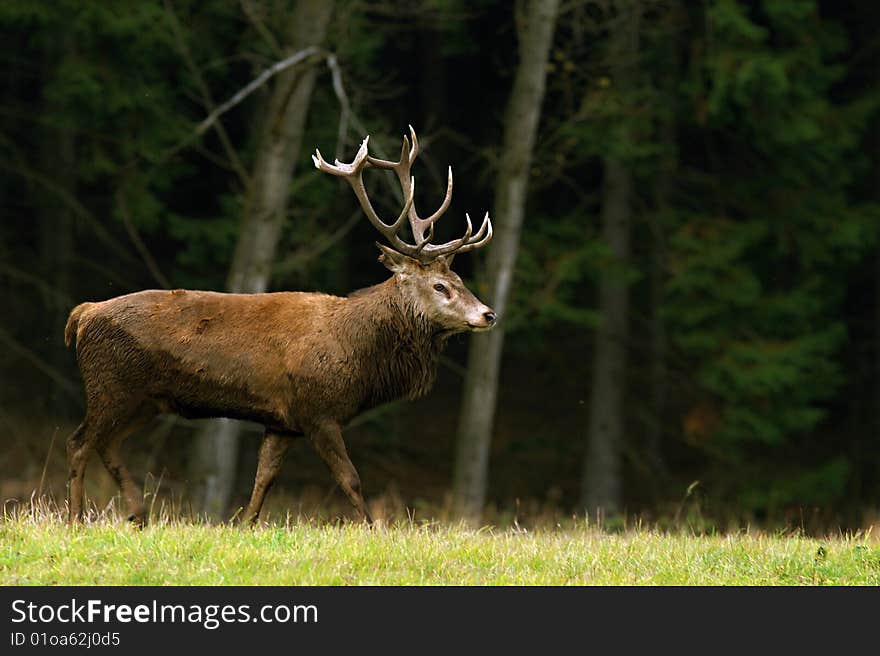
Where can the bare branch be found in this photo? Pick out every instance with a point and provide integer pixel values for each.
(112, 277)
(205, 91)
(139, 244)
(302, 255)
(260, 27)
(60, 379)
(59, 298)
(344, 106)
(255, 84)
(70, 201)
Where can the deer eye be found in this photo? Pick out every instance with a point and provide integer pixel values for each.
(440, 288)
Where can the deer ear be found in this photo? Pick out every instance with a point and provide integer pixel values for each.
(393, 260)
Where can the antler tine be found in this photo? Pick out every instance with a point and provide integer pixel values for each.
(425, 241)
(415, 145)
(408, 153)
(388, 230)
(487, 223)
(398, 222)
(353, 173)
(419, 224)
(407, 157)
(340, 169)
(465, 243)
(422, 229)
(478, 239)
(407, 206)
(455, 244)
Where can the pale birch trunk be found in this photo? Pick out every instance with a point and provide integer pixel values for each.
(535, 23)
(216, 450)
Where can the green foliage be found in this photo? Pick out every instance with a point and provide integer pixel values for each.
(749, 298)
(557, 258)
(124, 105)
(805, 487)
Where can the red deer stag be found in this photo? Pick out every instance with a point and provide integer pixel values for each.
(298, 363)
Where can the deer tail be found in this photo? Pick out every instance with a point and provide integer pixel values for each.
(73, 322)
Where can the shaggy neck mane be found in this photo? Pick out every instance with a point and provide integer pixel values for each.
(400, 346)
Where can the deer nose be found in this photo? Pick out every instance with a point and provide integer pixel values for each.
(490, 317)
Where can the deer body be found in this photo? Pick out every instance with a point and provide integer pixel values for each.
(197, 354)
(298, 363)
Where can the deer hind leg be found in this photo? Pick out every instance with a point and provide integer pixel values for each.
(79, 448)
(99, 431)
(327, 440)
(108, 448)
(271, 457)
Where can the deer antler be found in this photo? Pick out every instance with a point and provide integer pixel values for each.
(422, 229)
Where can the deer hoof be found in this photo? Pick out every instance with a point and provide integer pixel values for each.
(138, 521)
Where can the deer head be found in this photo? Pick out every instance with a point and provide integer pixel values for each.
(422, 269)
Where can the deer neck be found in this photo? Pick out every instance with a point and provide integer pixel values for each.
(398, 346)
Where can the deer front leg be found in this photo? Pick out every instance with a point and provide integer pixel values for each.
(272, 452)
(327, 440)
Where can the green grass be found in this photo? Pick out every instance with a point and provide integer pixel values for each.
(43, 550)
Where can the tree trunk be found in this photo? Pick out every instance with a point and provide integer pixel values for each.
(667, 175)
(877, 343)
(535, 26)
(658, 355)
(216, 450)
(876, 140)
(601, 484)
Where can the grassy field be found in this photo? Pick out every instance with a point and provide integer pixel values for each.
(41, 549)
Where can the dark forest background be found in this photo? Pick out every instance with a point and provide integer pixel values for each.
(693, 328)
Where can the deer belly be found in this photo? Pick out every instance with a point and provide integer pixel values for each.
(199, 392)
